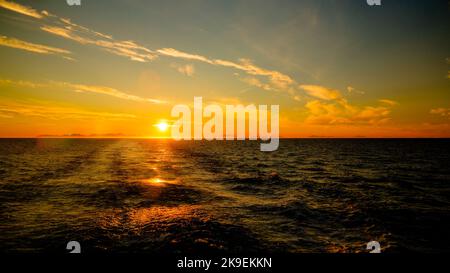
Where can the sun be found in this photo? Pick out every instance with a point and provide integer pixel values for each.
(162, 126)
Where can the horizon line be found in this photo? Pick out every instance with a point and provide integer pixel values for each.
(170, 138)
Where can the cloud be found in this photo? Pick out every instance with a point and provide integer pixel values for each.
(187, 70)
(56, 113)
(388, 102)
(66, 33)
(127, 49)
(183, 55)
(36, 48)
(444, 112)
(65, 28)
(107, 91)
(21, 9)
(265, 79)
(341, 112)
(22, 83)
(321, 92)
(372, 113)
(69, 24)
(351, 89)
(85, 36)
(5, 116)
(255, 82)
(277, 79)
(329, 107)
(104, 90)
(79, 135)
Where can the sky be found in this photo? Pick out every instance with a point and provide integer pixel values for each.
(337, 68)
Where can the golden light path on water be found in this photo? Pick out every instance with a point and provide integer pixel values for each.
(155, 181)
(159, 191)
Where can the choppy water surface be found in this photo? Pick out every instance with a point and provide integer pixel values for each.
(162, 196)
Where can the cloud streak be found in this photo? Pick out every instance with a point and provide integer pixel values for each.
(56, 113)
(21, 9)
(188, 70)
(107, 91)
(256, 82)
(103, 90)
(388, 102)
(183, 55)
(277, 79)
(329, 107)
(339, 113)
(128, 49)
(265, 79)
(443, 112)
(321, 92)
(36, 48)
(65, 28)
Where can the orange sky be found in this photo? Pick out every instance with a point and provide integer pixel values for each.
(336, 70)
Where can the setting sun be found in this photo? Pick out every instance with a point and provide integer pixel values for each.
(162, 126)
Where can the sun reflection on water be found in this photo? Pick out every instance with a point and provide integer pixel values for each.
(157, 181)
(159, 214)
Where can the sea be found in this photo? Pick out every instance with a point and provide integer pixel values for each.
(163, 196)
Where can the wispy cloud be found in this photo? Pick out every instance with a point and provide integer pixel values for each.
(63, 32)
(188, 69)
(127, 49)
(256, 82)
(104, 90)
(330, 107)
(36, 48)
(333, 113)
(69, 24)
(444, 112)
(388, 102)
(107, 91)
(79, 135)
(263, 78)
(277, 80)
(22, 83)
(65, 28)
(21, 9)
(56, 113)
(183, 55)
(321, 92)
(352, 90)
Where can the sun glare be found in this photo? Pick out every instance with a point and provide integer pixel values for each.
(162, 126)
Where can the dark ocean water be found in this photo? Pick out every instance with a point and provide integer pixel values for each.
(163, 196)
